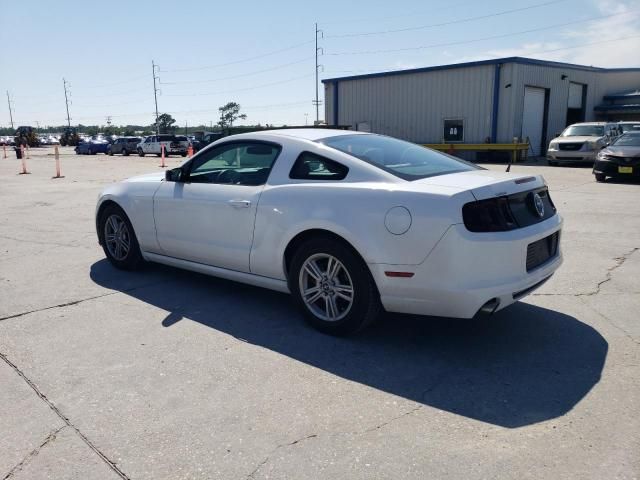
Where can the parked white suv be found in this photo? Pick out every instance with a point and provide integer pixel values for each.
(581, 142)
(173, 145)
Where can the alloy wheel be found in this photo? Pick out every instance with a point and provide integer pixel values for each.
(117, 237)
(326, 287)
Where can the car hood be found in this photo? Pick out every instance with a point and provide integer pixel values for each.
(149, 177)
(576, 139)
(485, 183)
(625, 151)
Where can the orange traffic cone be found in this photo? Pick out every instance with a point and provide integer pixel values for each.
(162, 163)
(190, 151)
(24, 163)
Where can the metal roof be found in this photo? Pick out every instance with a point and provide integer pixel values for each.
(497, 61)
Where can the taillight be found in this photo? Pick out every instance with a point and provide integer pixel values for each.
(492, 215)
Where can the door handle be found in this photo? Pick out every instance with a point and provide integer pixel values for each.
(239, 203)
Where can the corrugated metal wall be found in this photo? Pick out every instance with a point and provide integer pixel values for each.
(413, 106)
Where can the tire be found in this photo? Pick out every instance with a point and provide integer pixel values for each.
(110, 152)
(183, 154)
(351, 313)
(140, 152)
(113, 219)
(125, 152)
(92, 152)
(600, 177)
(552, 163)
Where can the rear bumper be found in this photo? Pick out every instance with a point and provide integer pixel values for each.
(571, 156)
(466, 270)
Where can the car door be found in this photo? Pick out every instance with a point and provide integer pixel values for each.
(146, 146)
(210, 216)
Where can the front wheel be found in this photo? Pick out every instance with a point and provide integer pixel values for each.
(600, 177)
(140, 152)
(333, 287)
(118, 239)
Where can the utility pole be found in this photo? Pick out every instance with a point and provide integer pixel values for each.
(317, 102)
(66, 100)
(155, 93)
(10, 113)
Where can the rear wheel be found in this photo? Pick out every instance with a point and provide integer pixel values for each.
(125, 152)
(118, 239)
(110, 152)
(600, 177)
(140, 152)
(333, 287)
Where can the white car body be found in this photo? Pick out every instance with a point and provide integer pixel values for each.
(241, 232)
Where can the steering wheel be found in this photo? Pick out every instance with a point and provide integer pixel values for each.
(228, 176)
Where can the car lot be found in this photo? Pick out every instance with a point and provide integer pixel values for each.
(169, 374)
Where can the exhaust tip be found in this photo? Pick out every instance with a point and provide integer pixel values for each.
(490, 306)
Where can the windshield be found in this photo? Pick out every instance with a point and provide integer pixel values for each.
(629, 127)
(402, 159)
(628, 140)
(584, 131)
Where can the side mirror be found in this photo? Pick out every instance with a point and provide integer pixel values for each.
(174, 175)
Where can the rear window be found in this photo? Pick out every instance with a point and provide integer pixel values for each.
(133, 140)
(402, 159)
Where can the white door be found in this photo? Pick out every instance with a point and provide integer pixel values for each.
(209, 218)
(533, 118)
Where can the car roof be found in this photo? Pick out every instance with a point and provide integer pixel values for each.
(304, 133)
(591, 123)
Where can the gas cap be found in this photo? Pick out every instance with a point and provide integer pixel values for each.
(398, 220)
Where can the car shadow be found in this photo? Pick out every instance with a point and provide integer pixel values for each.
(524, 365)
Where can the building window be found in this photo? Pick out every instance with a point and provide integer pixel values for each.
(453, 130)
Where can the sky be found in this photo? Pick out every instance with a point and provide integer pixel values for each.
(261, 54)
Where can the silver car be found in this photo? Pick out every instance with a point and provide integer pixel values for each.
(581, 142)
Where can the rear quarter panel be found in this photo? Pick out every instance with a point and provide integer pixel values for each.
(356, 212)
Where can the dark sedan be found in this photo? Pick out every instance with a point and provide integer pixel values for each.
(124, 145)
(621, 159)
(95, 145)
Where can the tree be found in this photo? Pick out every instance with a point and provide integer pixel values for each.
(229, 113)
(165, 123)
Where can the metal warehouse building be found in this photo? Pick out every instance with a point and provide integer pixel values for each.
(487, 101)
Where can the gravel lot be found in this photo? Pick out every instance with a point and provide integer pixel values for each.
(169, 374)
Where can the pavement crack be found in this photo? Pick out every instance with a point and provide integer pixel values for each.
(50, 438)
(64, 418)
(619, 262)
(278, 447)
(76, 302)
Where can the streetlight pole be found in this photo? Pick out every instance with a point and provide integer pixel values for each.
(66, 101)
(10, 112)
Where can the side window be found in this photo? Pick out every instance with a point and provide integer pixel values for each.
(246, 163)
(310, 166)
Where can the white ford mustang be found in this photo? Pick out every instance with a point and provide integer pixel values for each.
(349, 223)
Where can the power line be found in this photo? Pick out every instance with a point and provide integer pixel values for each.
(248, 74)
(240, 89)
(451, 22)
(120, 82)
(491, 37)
(249, 59)
(391, 17)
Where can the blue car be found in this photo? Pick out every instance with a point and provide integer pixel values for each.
(97, 144)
